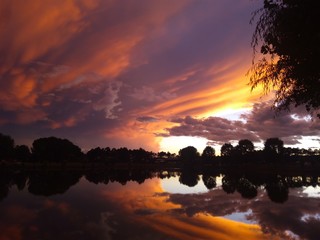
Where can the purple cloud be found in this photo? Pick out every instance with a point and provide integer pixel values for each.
(258, 125)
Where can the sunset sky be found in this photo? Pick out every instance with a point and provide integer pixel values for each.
(160, 75)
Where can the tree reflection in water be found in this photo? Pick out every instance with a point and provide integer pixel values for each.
(48, 183)
(189, 177)
(277, 189)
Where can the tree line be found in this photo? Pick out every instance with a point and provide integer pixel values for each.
(53, 149)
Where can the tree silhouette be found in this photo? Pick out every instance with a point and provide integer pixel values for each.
(121, 154)
(54, 149)
(288, 35)
(226, 149)
(188, 154)
(141, 155)
(208, 153)
(97, 154)
(6, 147)
(22, 153)
(273, 146)
(244, 147)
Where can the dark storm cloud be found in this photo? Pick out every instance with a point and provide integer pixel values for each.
(215, 129)
(261, 123)
(287, 125)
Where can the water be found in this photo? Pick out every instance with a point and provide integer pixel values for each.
(157, 205)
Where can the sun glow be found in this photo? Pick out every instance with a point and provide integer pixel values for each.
(229, 113)
(174, 143)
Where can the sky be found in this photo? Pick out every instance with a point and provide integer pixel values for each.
(160, 75)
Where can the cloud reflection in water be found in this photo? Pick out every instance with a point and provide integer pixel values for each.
(148, 211)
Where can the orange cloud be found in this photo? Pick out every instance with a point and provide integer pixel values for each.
(34, 28)
(135, 134)
(131, 198)
(208, 98)
(105, 45)
(18, 91)
(52, 44)
(69, 122)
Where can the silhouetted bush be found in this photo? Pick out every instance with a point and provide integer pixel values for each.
(54, 149)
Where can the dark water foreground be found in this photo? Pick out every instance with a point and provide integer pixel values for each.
(158, 204)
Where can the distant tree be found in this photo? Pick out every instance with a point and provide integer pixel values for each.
(96, 154)
(273, 146)
(22, 153)
(290, 151)
(244, 147)
(162, 154)
(54, 149)
(188, 154)
(288, 36)
(122, 154)
(171, 155)
(6, 147)
(141, 155)
(208, 153)
(226, 149)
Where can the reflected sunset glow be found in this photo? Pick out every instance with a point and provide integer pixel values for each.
(148, 199)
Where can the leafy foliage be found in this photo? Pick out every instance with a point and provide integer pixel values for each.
(273, 145)
(288, 36)
(54, 149)
(208, 153)
(244, 147)
(188, 154)
(226, 149)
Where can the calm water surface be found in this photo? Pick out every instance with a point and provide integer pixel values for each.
(87, 207)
